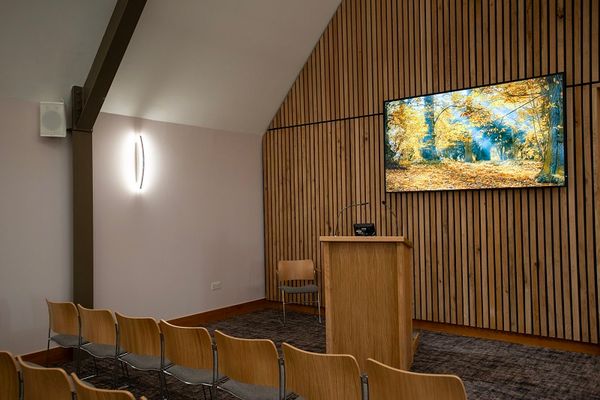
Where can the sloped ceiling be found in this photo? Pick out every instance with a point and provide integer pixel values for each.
(47, 46)
(222, 64)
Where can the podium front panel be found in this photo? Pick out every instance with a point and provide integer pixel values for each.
(367, 300)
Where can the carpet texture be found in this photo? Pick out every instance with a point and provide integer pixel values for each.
(489, 369)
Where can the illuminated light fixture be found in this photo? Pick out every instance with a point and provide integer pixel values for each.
(140, 162)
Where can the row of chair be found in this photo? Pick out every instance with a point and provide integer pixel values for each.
(26, 381)
(189, 355)
(317, 376)
(311, 375)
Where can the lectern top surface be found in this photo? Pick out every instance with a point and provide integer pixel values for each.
(370, 239)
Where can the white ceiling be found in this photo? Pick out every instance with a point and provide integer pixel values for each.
(222, 64)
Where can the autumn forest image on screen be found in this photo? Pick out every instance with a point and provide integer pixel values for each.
(502, 136)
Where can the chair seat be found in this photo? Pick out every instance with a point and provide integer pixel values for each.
(299, 289)
(250, 392)
(144, 363)
(100, 350)
(66, 340)
(191, 376)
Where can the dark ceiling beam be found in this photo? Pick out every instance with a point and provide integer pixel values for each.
(108, 58)
(86, 104)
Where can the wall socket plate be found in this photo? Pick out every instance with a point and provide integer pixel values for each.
(216, 285)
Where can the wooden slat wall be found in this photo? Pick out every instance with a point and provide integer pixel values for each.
(514, 260)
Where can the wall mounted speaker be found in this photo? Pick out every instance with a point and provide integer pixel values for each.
(52, 119)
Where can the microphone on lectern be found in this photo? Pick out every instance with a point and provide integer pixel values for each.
(337, 218)
(391, 212)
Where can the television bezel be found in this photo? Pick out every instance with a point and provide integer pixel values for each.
(565, 148)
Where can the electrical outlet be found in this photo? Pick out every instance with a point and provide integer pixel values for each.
(216, 285)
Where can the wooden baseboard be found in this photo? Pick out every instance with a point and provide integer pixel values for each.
(208, 317)
(518, 338)
(55, 355)
(58, 354)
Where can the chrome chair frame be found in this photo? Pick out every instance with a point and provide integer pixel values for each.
(76, 348)
(283, 292)
(281, 393)
(161, 377)
(281, 389)
(211, 386)
(82, 346)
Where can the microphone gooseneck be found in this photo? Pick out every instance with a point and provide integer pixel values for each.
(337, 218)
(391, 212)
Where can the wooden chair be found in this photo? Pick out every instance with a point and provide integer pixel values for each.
(141, 341)
(317, 376)
(387, 383)
(252, 367)
(63, 327)
(10, 380)
(85, 392)
(191, 352)
(303, 271)
(99, 332)
(41, 383)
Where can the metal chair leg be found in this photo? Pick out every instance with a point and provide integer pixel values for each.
(160, 382)
(283, 305)
(115, 372)
(205, 391)
(77, 352)
(319, 304)
(164, 377)
(47, 352)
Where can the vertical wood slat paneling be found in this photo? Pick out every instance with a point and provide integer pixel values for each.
(522, 261)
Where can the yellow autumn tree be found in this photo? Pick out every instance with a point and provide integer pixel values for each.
(406, 129)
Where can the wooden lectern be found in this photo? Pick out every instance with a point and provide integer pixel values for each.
(368, 292)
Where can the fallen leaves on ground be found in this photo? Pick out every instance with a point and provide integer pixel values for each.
(456, 175)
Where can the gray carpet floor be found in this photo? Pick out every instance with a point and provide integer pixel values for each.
(489, 369)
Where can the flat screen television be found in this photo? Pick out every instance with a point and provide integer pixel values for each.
(509, 135)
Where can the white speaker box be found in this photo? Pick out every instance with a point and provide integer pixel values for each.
(52, 119)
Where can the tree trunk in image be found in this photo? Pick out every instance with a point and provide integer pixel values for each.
(428, 149)
(468, 152)
(551, 157)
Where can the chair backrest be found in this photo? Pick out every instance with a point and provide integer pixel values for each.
(188, 347)
(41, 383)
(387, 383)
(252, 361)
(291, 270)
(9, 377)
(85, 392)
(139, 335)
(63, 318)
(98, 326)
(318, 376)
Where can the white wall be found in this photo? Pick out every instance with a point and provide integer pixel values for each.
(197, 220)
(35, 226)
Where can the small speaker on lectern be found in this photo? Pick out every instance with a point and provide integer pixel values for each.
(52, 119)
(364, 229)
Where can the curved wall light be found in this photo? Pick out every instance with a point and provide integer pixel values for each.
(140, 162)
